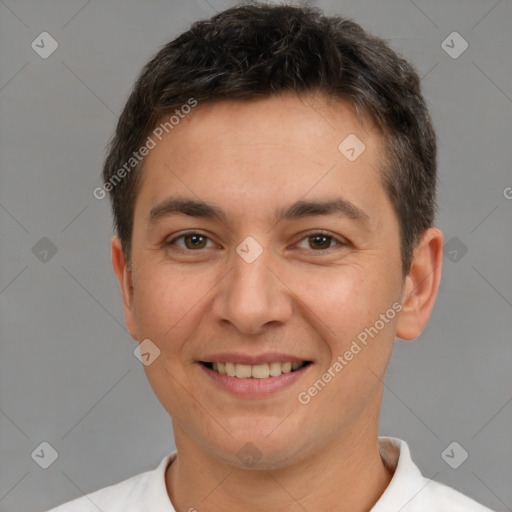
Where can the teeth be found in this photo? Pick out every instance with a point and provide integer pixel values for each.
(275, 369)
(243, 371)
(286, 367)
(260, 371)
(230, 369)
(257, 371)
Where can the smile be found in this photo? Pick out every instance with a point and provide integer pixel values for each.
(256, 371)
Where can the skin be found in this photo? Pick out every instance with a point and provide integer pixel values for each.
(301, 296)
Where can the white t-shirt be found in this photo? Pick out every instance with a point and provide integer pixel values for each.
(408, 490)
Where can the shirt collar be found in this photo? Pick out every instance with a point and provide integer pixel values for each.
(407, 481)
(157, 487)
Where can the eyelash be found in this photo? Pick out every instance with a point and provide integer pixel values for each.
(340, 243)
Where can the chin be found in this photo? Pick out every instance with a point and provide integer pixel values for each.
(257, 450)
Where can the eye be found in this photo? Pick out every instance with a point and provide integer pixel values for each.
(320, 241)
(192, 241)
(317, 241)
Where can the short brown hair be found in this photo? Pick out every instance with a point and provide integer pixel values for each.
(259, 50)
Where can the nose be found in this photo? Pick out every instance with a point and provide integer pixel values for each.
(252, 296)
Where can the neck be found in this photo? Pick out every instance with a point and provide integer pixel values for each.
(347, 475)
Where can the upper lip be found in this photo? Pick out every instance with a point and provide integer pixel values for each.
(252, 359)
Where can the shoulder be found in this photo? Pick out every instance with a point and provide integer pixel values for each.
(440, 498)
(108, 498)
(134, 494)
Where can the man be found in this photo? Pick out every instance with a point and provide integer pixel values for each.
(273, 180)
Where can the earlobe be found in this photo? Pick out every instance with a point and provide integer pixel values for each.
(421, 285)
(124, 276)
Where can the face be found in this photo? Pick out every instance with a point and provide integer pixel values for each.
(257, 243)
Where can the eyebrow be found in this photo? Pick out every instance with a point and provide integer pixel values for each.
(297, 210)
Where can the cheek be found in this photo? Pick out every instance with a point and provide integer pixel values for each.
(346, 299)
(358, 343)
(166, 302)
(167, 306)
(350, 302)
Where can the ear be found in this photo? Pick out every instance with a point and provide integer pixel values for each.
(421, 285)
(124, 276)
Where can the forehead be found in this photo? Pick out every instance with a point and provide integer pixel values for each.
(305, 124)
(264, 151)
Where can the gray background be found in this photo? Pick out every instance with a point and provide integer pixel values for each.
(68, 375)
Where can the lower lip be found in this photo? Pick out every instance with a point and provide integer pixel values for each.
(254, 388)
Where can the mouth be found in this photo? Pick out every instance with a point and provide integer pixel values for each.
(255, 371)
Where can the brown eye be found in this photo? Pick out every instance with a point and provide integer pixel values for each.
(196, 241)
(189, 241)
(320, 241)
